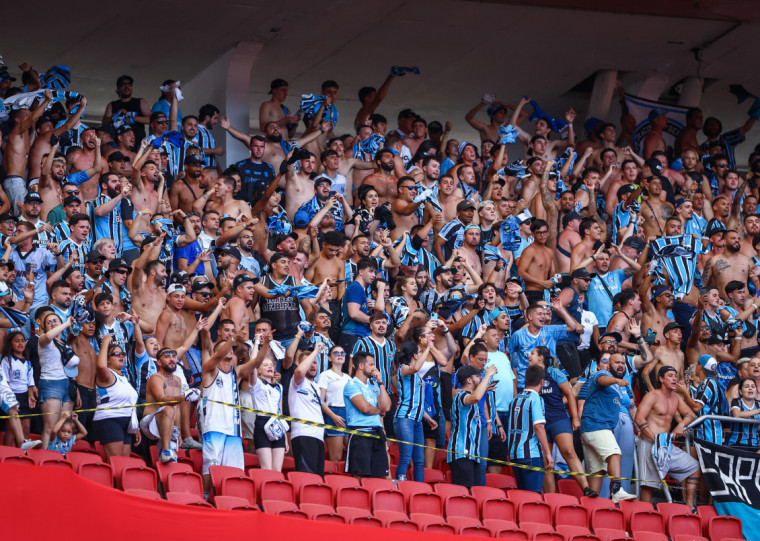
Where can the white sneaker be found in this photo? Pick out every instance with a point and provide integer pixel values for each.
(621, 495)
(166, 456)
(30, 444)
(190, 443)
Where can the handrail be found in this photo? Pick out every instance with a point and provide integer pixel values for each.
(723, 418)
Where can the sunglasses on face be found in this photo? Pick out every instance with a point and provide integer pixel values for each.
(164, 121)
(205, 294)
(117, 354)
(410, 188)
(608, 342)
(170, 352)
(121, 271)
(339, 353)
(72, 192)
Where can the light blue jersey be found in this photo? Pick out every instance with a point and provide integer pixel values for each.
(371, 393)
(522, 343)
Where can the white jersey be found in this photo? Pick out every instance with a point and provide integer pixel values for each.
(216, 417)
(119, 393)
(306, 403)
(18, 373)
(266, 397)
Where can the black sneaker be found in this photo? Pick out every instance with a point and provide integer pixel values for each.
(590, 493)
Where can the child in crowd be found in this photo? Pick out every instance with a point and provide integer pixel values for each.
(64, 431)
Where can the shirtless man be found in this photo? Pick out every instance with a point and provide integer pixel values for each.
(537, 263)
(383, 180)
(543, 128)
(85, 158)
(299, 186)
(449, 196)
(190, 187)
(45, 130)
(654, 417)
(569, 238)
(730, 266)
(274, 110)
(585, 197)
(238, 309)
(667, 354)
(125, 140)
(654, 313)
(144, 195)
(467, 250)
(419, 133)
(653, 141)
(403, 207)
(329, 265)
(148, 286)
(225, 204)
(629, 174)
(16, 151)
(591, 233)
(530, 184)
(653, 209)
(608, 136)
(687, 137)
(53, 173)
(82, 346)
(497, 112)
(752, 229)
(348, 166)
(174, 323)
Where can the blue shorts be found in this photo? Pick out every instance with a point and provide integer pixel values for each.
(54, 388)
(222, 450)
(562, 426)
(340, 412)
(112, 430)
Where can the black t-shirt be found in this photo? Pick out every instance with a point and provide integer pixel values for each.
(131, 106)
(256, 178)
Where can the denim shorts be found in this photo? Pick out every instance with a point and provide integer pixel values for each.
(340, 412)
(54, 388)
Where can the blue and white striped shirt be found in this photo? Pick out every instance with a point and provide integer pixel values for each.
(525, 411)
(411, 395)
(465, 430)
(382, 353)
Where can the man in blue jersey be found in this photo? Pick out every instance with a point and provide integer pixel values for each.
(366, 400)
(527, 443)
(600, 416)
(108, 220)
(538, 333)
(608, 283)
(707, 400)
(465, 450)
(356, 308)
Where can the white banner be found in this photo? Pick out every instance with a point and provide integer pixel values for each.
(640, 108)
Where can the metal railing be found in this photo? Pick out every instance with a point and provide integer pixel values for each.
(722, 418)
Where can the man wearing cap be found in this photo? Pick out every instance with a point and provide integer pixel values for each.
(71, 205)
(570, 298)
(30, 212)
(692, 223)
(654, 418)
(28, 256)
(191, 186)
(274, 110)
(119, 163)
(444, 281)
(464, 447)
(16, 151)
(631, 249)
(567, 239)
(742, 307)
(313, 210)
(116, 285)
(93, 267)
(451, 235)
(669, 354)
(135, 111)
(125, 139)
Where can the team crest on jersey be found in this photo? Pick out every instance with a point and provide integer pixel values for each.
(219, 382)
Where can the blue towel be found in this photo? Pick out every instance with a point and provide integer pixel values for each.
(56, 78)
(557, 125)
(507, 134)
(370, 146)
(310, 104)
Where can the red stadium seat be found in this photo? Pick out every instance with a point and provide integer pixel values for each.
(705, 513)
(650, 536)
(434, 476)
(646, 521)
(628, 507)
(275, 490)
(196, 458)
(596, 503)
(606, 534)
(440, 528)
(666, 509)
(413, 487)
(534, 528)
(570, 515)
(423, 520)
(687, 537)
(313, 509)
(164, 469)
(373, 483)
(250, 460)
(569, 486)
(386, 515)
(298, 478)
(480, 493)
(513, 535)
(81, 446)
(141, 477)
(555, 499)
(315, 493)
(501, 508)
(369, 521)
(233, 503)
(143, 493)
(330, 467)
(537, 512)
(356, 497)
(100, 473)
(612, 519)
(582, 537)
(7, 451)
(497, 525)
(18, 459)
(332, 518)
(288, 464)
(460, 506)
(118, 463)
(59, 462)
(186, 498)
(722, 527)
(460, 522)
(388, 500)
(568, 531)
(340, 481)
(404, 524)
(244, 487)
(342, 467)
(219, 474)
(77, 458)
(427, 503)
(687, 524)
(500, 480)
(38, 455)
(184, 481)
(283, 509)
(519, 496)
(447, 489)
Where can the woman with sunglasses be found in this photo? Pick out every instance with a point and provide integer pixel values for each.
(54, 383)
(331, 382)
(113, 426)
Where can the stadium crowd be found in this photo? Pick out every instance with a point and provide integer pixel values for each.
(554, 309)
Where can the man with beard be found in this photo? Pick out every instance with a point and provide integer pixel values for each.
(256, 174)
(362, 247)
(225, 204)
(383, 180)
(27, 256)
(175, 322)
(250, 259)
(752, 228)
(144, 196)
(30, 212)
(451, 236)
(470, 248)
(570, 298)
(329, 265)
(534, 168)
(654, 418)
(742, 308)
(654, 313)
(321, 205)
(192, 258)
(536, 263)
(108, 219)
(136, 110)
(191, 186)
(653, 209)
(299, 180)
(148, 289)
(45, 131)
(125, 139)
(53, 173)
(730, 266)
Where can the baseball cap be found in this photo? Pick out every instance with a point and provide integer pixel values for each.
(637, 243)
(742, 361)
(117, 264)
(277, 83)
(241, 279)
(320, 179)
(569, 217)
(524, 217)
(193, 159)
(615, 335)
(117, 156)
(71, 199)
(33, 197)
(407, 113)
(11, 266)
(156, 115)
(6, 216)
(655, 165)
(231, 250)
(93, 256)
(197, 286)
(582, 273)
(5, 76)
(440, 270)
(655, 112)
(465, 205)
(124, 79)
(708, 363)
(625, 190)
(44, 119)
(175, 288)
(179, 277)
(4, 289)
(465, 372)
(282, 236)
(670, 326)
(124, 129)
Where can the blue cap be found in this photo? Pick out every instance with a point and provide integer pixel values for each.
(708, 362)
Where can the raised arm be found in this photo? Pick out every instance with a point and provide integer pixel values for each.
(224, 122)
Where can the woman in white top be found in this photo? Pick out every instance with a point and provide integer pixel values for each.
(113, 426)
(590, 336)
(54, 384)
(331, 382)
(267, 396)
(17, 371)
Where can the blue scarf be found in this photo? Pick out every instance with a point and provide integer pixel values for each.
(310, 104)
